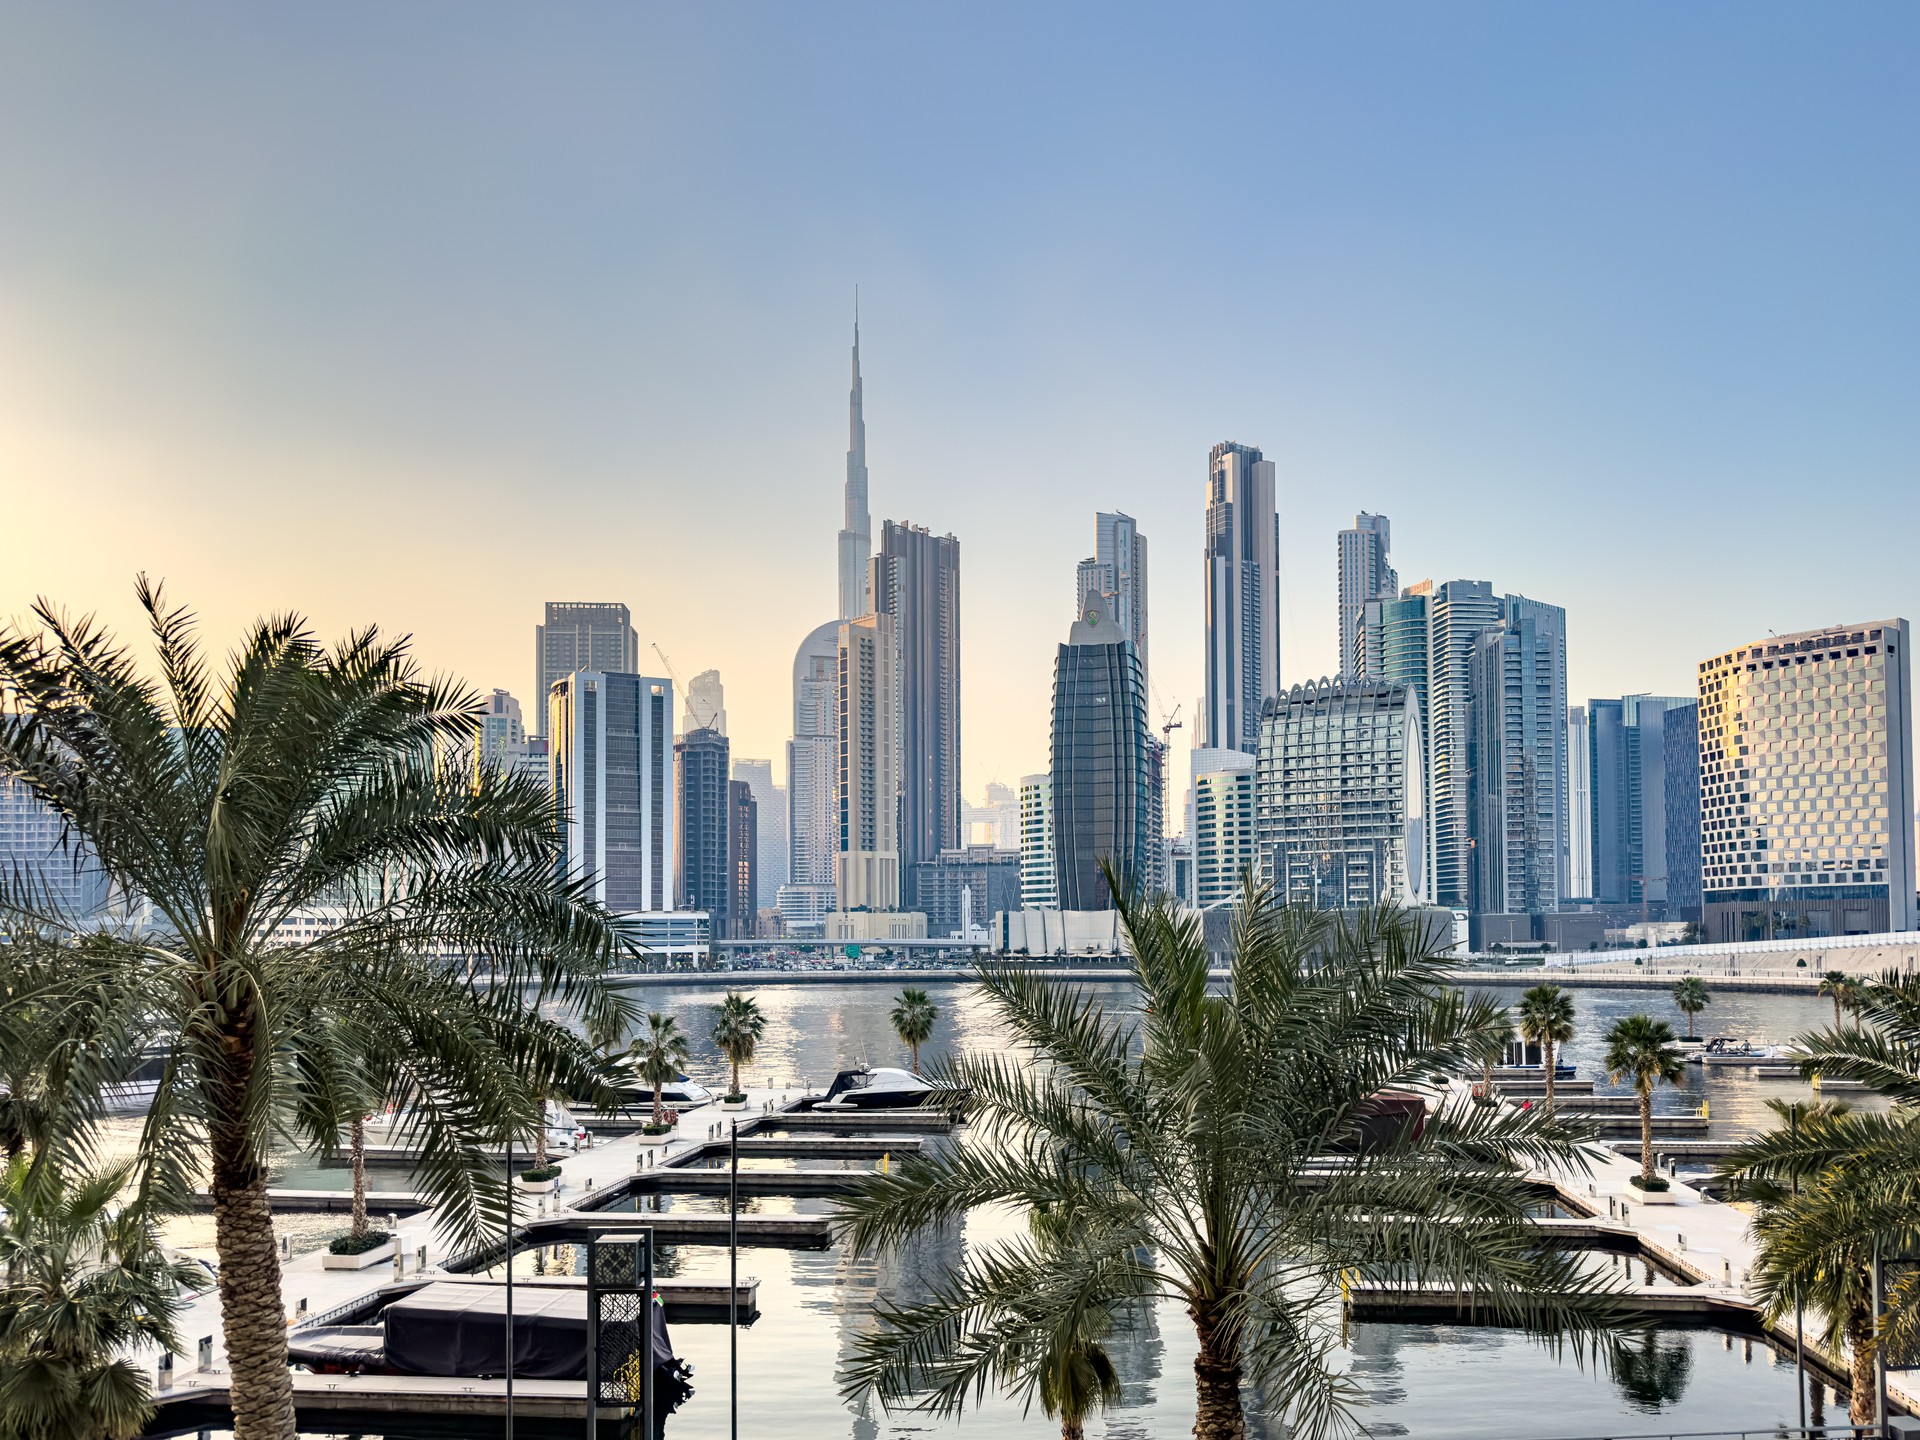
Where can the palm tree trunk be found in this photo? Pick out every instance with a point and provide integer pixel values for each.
(914, 1046)
(357, 1155)
(1860, 1379)
(1071, 1428)
(1646, 1134)
(540, 1132)
(1216, 1381)
(659, 1086)
(1546, 1054)
(736, 1073)
(252, 1313)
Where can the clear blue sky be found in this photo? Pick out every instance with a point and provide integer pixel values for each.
(425, 314)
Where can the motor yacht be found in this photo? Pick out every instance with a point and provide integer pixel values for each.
(868, 1088)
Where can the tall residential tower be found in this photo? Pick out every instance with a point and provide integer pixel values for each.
(1243, 597)
(1364, 575)
(580, 635)
(1116, 576)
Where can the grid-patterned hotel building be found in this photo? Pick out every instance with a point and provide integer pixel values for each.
(1806, 785)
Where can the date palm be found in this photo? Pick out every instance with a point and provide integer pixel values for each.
(1882, 1045)
(660, 1054)
(913, 1015)
(1690, 997)
(1841, 988)
(84, 1282)
(1545, 1016)
(316, 782)
(1231, 1152)
(1641, 1049)
(1494, 1041)
(738, 1025)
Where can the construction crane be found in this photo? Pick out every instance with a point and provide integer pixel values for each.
(681, 685)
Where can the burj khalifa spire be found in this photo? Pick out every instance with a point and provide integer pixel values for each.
(856, 540)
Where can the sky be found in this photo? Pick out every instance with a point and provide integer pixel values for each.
(423, 315)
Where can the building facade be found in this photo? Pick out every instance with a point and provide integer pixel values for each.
(961, 890)
(1242, 597)
(1037, 890)
(813, 782)
(1579, 805)
(743, 860)
(610, 758)
(1517, 761)
(856, 533)
(867, 861)
(1680, 737)
(37, 856)
(581, 635)
(1102, 807)
(1457, 611)
(770, 812)
(703, 872)
(1115, 575)
(1627, 784)
(916, 582)
(1393, 641)
(1365, 575)
(1806, 785)
(1224, 835)
(1340, 795)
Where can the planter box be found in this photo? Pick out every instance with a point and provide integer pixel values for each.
(534, 1187)
(646, 1139)
(375, 1256)
(733, 1104)
(1635, 1195)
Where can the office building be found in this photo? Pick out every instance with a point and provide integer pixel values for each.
(1224, 834)
(1243, 597)
(1806, 785)
(1181, 882)
(1579, 805)
(1457, 612)
(1340, 795)
(1115, 576)
(706, 706)
(916, 582)
(1516, 761)
(1037, 888)
(770, 848)
(1364, 575)
(578, 635)
(856, 535)
(962, 890)
(703, 877)
(37, 856)
(1392, 641)
(1627, 785)
(1153, 879)
(813, 782)
(867, 873)
(743, 860)
(1102, 806)
(1680, 738)
(502, 733)
(610, 739)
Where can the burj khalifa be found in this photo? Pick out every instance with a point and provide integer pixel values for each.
(856, 540)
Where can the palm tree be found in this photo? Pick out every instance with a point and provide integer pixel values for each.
(1640, 1048)
(913, 1017)
(1498, 1035)
(661, 1057)
(1690, 998)
(1242, 1153)
(329, 785)
(85, 1281)
(1840, 986)
(1546, 1018)
(1832, 1186)
(737, 1028)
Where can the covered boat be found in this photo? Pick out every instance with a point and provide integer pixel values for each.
(882, 1089)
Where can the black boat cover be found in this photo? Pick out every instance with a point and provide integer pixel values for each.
(339, 1347)
(459, 1328)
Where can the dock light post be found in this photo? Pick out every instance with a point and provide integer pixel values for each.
(733, 1281)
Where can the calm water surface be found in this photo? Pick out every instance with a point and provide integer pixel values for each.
(1414, 1380)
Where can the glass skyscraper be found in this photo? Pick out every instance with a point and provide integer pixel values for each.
(611, 767)
(1101, 774)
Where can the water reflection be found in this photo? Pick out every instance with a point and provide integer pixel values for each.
(1652, 1371)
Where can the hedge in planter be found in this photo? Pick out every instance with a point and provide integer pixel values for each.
(539, 1173)
(656, 1129)
(1658, 1182)
(348, 1245)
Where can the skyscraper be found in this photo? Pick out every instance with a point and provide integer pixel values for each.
(611, 768)
(1224, 835)
(1627, 783)
(1116, 575)
(1516, 762)
(1243, 597)
(1364, 575)
(743, 858)
(1340, 795)
(1102, 809)
(1579, 805)
(856, 537)
(580, 635)
(1680, 735)
(867, 872)
(813, 780)
(706, 703)
(703, 875)
(1457, 611)
(1806, 785)
(770, 824)
(916, 583)
(1037, 888)
(1392, 641)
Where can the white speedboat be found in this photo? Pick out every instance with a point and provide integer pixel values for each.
(882, 1089)
(1728, 1050)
